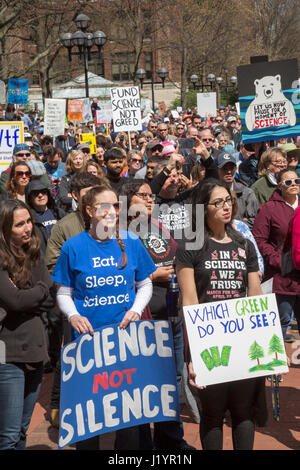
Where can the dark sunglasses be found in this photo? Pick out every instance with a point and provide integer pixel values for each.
(23, 154)
(207, 140)
(37, 192)
(20, 174)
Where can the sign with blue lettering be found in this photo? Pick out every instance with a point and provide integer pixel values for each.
(269, 100)
(11, 134)
(117, 378)
(235, 339)
(17, 91)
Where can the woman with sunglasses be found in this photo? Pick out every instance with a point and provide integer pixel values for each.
(200, 282)
(18, 179)
(270, 229)
(24, 296)
(103, 252)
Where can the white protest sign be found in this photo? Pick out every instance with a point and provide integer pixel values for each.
(126, 109)
(55, 112)
(103, 116)
(235, 339)
(238, 108)
(11, 134)
(207, 103)
(86, 111)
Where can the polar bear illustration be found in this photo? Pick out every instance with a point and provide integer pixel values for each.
(270, 107)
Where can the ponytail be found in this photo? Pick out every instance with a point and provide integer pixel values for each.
(121, 244)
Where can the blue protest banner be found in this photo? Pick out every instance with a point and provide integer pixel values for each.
(116, 379)
(17, 91)
(269, 100)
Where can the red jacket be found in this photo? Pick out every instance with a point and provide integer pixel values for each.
(269, 230)
(295, 235)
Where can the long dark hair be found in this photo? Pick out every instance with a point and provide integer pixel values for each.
(88, 200)
(129, 189)
(201, 195)
(17, 261)
(11, 184)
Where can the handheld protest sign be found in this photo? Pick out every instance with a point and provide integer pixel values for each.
(54, 117)
(2, 92)
(103, 116)
(90, 139)
(11, 134)
(269, 100)
(235, 339)
(75, 110)
(207, 104)
(126, 109)
(17, 91)
(116, 379)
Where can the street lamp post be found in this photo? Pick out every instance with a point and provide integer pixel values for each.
(162, 73)
(219, 81)
(84, 42)
(210, 77)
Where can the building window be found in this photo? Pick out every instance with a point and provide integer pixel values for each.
(122, 66)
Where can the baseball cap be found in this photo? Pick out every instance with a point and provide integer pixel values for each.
(37, 168)
(231, 119)
(83, 146)
(154, 143)
(19, 147)
(290, 149)
(224, 158)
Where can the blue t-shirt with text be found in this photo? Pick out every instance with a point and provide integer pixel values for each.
(103, 290)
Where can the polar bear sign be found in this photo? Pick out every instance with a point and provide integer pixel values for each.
(269, 100)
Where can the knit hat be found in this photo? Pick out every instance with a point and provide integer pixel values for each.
(20, 147)
(37, 168)
(168, 148)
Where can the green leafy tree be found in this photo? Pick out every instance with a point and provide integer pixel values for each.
(256, 352)
(275, 346)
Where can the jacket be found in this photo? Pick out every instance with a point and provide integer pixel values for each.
(295, 237)
(263, 189)
(22, 330)
(269, 230)
(69, 226)
(247, 203)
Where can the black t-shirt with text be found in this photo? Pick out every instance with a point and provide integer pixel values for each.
(220, 270)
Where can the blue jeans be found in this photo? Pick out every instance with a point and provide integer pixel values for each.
(19, 390)
(287, 304)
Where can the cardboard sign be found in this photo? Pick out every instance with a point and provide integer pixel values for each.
(116, 379)
(90, 139)
(17, 91)
(269, 100)
(54, 117)
(207, 104)
(11, 134)
(126, 109)
(235, 339)
(75, 110)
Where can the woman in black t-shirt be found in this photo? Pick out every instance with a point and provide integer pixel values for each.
(225, 267)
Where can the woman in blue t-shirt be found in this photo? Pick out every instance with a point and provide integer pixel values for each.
(103, 274)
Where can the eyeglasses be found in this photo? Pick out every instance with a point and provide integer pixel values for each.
(219, 120)
(207, 140)
(136, 160)
(20, 174)
(23, 154)
(145, 196)
(279, 162)
(220, 203)
(290, 182)
(107, 207)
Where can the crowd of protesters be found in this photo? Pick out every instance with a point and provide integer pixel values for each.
(250, 194)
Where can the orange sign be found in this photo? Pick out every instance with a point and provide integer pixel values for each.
(75, 108)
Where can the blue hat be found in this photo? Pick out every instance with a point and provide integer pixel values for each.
(19, 148)
(224, 158)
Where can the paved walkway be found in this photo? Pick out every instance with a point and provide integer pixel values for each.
(282, 435)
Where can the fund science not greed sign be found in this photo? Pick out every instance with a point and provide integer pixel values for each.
(126, 109)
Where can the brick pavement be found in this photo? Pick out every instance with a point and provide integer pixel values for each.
(282, 435)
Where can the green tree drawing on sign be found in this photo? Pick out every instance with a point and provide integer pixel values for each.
(275, 346)
(256, 352)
